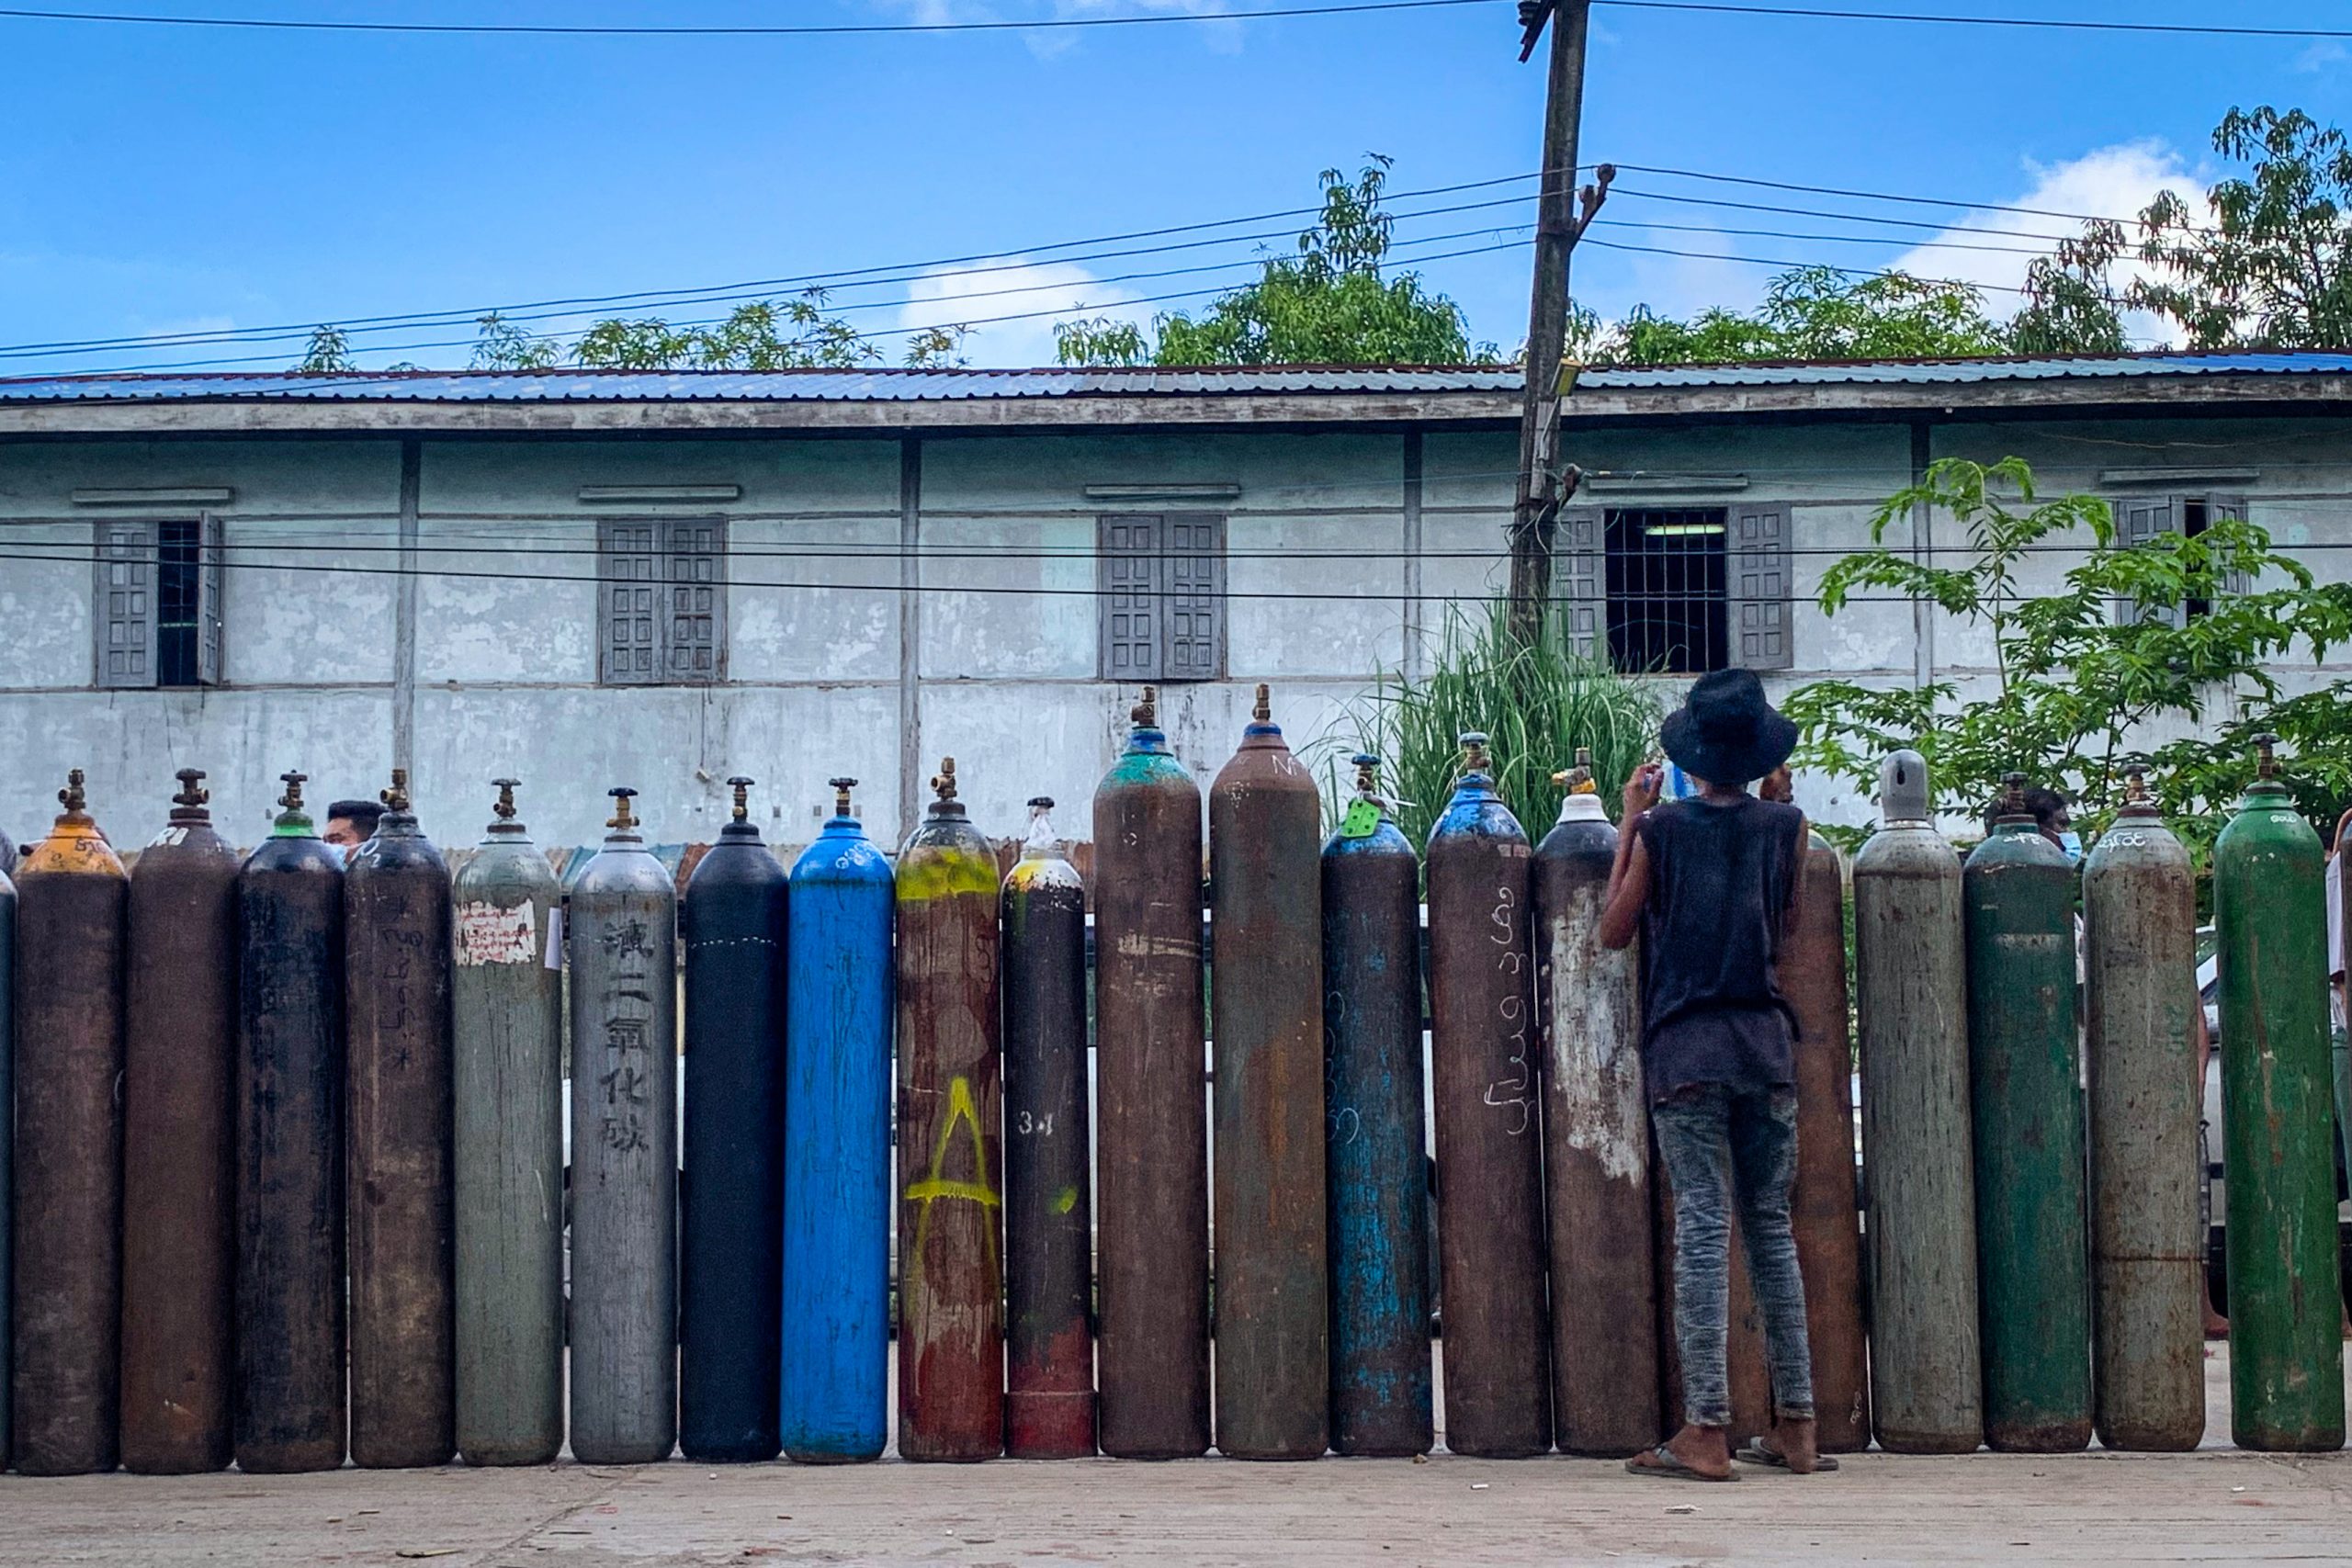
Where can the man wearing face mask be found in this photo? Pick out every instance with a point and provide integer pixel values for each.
(351, 823)
(2051, 815)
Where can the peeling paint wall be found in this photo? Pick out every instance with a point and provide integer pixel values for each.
(1004, 656)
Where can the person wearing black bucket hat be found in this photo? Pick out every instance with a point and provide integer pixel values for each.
(1710, 884)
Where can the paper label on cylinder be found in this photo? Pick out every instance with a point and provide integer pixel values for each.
(489, 935)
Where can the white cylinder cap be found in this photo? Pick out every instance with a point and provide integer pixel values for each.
(1903, 787)
(1582, 809)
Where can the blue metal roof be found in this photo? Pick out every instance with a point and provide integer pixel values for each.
(733, 386)
(925, 386)
(1951, 372)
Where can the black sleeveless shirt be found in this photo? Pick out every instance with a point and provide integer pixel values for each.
(1720, 880)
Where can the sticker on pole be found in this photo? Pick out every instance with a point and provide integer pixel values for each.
(489, 934)
(1362, 820)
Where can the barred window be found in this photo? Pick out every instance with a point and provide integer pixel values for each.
(1677, 591)
(662, 601)
(157, 603)
(2139, 519)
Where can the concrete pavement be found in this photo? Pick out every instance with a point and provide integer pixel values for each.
(2213, 1506)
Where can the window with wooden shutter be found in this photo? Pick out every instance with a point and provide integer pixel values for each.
(124, 605)
(2233, 508)
(2138, 521)
(1129, 553)
(697, 600)
(1194, 610)
(1577, 580)
(1162, 581)
(663, 601)
(1757, 593)
(209, 573)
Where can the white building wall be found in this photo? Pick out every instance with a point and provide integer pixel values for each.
(845, 657)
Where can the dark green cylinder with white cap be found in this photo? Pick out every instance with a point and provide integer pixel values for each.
(1926, 1376)
(2032, 1254)
(2277, 1108)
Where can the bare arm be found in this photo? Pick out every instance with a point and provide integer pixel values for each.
(1629, 874)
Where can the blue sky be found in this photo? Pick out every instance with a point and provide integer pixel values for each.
(156, 179)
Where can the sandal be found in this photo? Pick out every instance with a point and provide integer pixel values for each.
(1662, 1463)
(1757, 1452)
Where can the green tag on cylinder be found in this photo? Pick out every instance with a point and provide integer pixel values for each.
(1363, 817)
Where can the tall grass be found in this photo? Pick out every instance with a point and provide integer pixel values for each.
(1536, 705)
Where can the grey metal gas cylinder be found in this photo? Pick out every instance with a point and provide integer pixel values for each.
(1918, 1168)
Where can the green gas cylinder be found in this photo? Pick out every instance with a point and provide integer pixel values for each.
(2033, 1254)
(2277, 1113)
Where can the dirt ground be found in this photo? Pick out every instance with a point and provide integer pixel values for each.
(2213, 1506)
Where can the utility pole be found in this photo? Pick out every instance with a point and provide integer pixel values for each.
(1558, 225)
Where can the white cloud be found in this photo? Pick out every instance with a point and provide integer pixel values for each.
(2109, 182)
(2317, 58)
(1218, 37)
(1010, 286)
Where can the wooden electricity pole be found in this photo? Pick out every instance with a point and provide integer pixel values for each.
(1558, 224)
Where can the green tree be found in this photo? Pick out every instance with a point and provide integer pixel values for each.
(2133, 644)
(327, 353)
(1331, 303)
(1820, 312)
(502, 345)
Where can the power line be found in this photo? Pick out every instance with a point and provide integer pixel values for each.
(814, 30)
(1826, 239)
(1878, 196)
(845, 337)
(1377, 596)
(1793, 266)
(845, 279)
(1781, 209)
(2065, 23)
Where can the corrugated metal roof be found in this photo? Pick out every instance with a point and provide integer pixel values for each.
(732, 386)
(940, 386)
(1949, 372)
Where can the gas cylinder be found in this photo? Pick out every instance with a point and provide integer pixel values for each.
(836, 1319)
(1376, 1151)
(179, 1146)
(1822, 1203)
(2148, 1243)
(1596, 1140)
(2286, 1358)
(396, 948)
(2032, 1252)
(7, 1136)
(290, 1383)
(1049, 1220)
(1265, 914)
(1483, 1045)
(951, 1179)
(1926, 1377)
(621, 926)
(72, 900)
(506, 1006)
(730, 1272)
(1153, 1158)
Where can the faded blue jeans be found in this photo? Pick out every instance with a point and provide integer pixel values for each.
(1717, 1142)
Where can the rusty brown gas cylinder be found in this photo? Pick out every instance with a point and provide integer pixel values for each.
(951, 1175)
(290, 1279)
(1266, 926)
(1497, 1352)
(1152, 1157)
(397, 952)
(2147, 1242)
(1597, 1146)
(1822, 1204)
(179, 1171)
(1049, 1218)
(71, 900)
